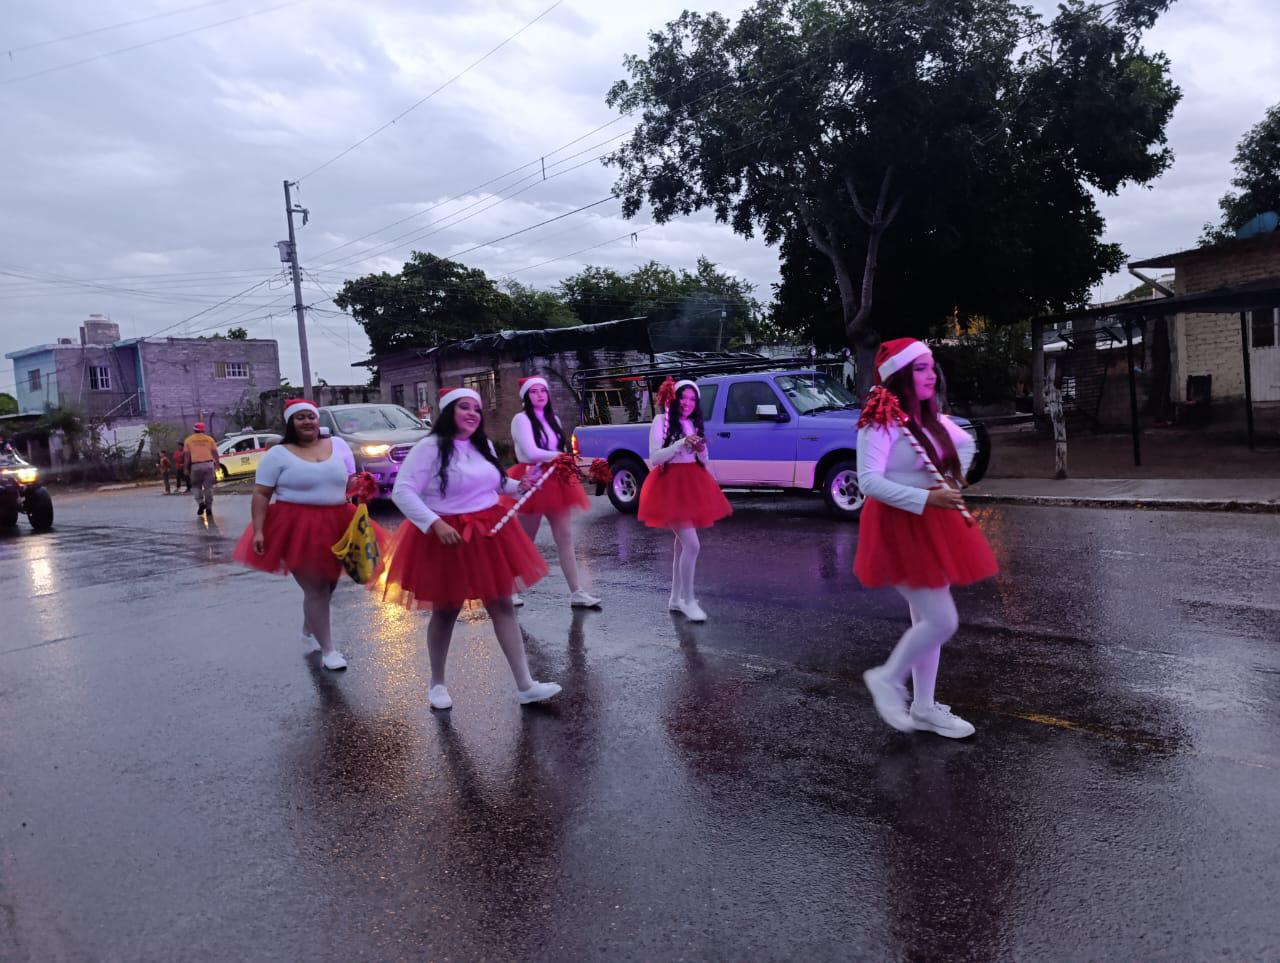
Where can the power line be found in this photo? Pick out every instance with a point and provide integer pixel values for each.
(148, 43)
(416, 105)
(114, 26)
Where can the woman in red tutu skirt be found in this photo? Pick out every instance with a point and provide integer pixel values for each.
(539, 438)
(680, 492)
(294, 533)
(914, 532)
(447, 553)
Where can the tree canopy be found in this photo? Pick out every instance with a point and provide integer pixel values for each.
(935, 156)
(431, 300)
(1257, 180)
(702, 309)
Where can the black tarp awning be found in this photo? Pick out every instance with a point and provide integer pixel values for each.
(623, 335)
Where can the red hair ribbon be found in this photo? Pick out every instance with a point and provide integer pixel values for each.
(882, 408)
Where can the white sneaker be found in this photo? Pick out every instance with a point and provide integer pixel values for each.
(673, 604)
(516, 600)
(538, 692)
(692, 611)
(938, 718)
(333, 660)
(582, 599)
(438, 696)
(890, 700)
(309, 644)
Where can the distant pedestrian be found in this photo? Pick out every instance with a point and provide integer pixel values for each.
(915, 534)
(540, 438)
(180, 471)
(166, 469)
(447, 552)
(680, 493)
(300, 510)
(200, 454)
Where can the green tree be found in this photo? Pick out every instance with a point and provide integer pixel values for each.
(8, 404)
(238, 334)
(430, 301)
(937, 155)
(1257, 180)
(532, 308)
(700, 309)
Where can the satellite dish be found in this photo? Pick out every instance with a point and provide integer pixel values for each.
(1262, 224)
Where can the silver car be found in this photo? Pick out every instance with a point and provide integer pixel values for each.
(380, 437)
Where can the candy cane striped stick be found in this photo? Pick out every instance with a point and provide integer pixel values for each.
(933, 469)
(511, 512)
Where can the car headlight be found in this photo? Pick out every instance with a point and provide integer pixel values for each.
(374, 451)
(24, 475)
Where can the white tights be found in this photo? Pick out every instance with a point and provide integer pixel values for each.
(684, 564)
(933, 622)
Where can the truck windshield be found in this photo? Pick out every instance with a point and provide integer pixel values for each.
(816, 392)
(374, 418)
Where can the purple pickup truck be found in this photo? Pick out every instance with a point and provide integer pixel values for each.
(792, 429)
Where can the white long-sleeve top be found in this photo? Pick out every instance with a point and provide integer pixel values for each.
(474, 484)
(677, 453)
(527, 450)
(890, 470)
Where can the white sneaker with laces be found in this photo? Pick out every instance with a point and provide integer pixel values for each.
(939, 718)
(582, 599)
(538, 692)
(438, 696)
(516, 600)
(693, 611)
(890, 699)
(333, 660)
(309, 644)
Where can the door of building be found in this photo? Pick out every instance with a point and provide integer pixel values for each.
(1264, 354)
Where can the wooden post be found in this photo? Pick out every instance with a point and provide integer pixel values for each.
(1053, 408)
(1037, 368)
(1248, 376)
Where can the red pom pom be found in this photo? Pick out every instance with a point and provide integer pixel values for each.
(882, 408)
(362, 487)
(666, 394)
(600, 473)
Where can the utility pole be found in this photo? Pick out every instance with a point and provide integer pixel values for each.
(290, 209)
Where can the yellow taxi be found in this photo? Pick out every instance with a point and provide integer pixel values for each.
(240, 453)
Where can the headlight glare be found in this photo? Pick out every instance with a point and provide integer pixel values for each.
(374, 451)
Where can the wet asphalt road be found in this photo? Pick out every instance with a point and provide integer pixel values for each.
(177, 782)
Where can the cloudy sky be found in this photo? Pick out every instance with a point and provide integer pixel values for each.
(146, 183)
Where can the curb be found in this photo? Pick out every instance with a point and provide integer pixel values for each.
(1151, 504)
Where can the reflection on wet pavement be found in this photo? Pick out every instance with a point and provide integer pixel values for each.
(178, 781)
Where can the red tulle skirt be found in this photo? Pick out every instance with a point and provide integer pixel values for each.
(300, 538)
(682, 496)
(920, 551)
(423, 572)
(558, 494)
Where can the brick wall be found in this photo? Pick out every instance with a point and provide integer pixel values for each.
(182, 383)
(1209, 344)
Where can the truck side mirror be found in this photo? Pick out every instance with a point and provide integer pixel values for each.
(324, 432)
(771, 413)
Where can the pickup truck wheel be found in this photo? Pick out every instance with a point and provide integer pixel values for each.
(982, 458)
(841, 492)
(624, 490)
(39, 508)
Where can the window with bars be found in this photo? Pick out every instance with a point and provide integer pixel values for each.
(33, 379)
(99, 377)
(1264, 325)
(486, 385)
(231, 369)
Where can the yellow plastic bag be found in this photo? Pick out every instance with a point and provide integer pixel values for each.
(358, 548)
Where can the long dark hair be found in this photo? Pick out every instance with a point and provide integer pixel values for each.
(674, 433)
(923, 422)
(445, 430)
(539, 434)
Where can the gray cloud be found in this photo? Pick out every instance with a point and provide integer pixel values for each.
(168, 160)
